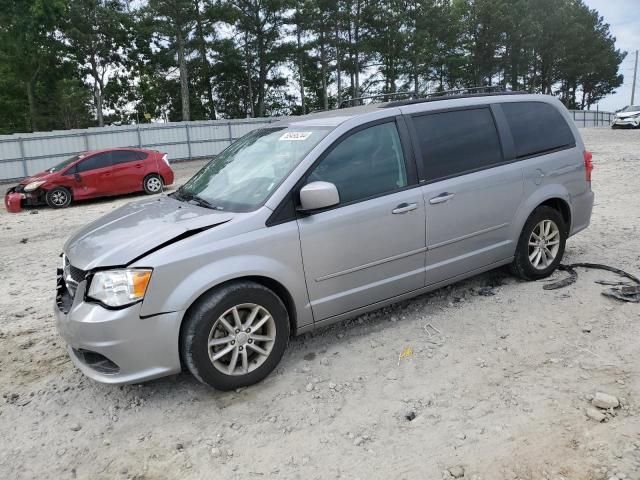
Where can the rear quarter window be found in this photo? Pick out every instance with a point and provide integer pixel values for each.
(123, 156)
(537, 128)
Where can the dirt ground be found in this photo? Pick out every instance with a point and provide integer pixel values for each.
(498, 390)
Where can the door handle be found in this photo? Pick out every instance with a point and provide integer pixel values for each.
(404, 208)
(443, 197)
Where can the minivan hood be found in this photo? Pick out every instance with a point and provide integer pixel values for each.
(133, 230)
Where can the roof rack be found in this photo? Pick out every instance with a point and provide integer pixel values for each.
(415, 97)
(459, 93)
(350, 102)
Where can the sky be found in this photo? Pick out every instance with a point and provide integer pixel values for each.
(623, 17)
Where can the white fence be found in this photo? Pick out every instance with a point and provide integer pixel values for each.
(22, 155)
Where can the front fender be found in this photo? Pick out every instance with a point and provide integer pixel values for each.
(272, 253)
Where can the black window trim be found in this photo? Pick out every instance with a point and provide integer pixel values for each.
(88, 157)
(141, 154)
(568, 146)
(71, 170)
(506, 148)
(287, 211)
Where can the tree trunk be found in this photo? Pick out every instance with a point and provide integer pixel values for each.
(205, 81)
(184, 78)
(323, 71)
(262, 89)
(301, 70)
(351, 73)
(357, 50)
(32, 106)
(249, 82)
(338, 67)
(97, 93)
(262, 75)
(416, 75)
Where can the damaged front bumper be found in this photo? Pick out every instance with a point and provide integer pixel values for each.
(116, 346)
(16, 198)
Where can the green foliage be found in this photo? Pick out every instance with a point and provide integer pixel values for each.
(98, 36)
(73, 63)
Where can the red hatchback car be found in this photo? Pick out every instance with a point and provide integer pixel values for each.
(98, 173)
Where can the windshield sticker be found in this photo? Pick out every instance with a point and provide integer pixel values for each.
(295, 136)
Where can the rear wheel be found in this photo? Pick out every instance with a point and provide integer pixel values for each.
(152, 184)
(541, 244)
(235, 336)
(58, 197)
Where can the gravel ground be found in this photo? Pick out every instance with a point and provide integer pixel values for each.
(500, 388)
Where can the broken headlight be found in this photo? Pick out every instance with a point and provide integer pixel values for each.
(30, 187)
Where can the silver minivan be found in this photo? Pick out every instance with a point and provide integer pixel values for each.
(315, 219)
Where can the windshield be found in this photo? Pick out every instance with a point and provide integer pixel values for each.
(631, 108)
(64, 163)
(243, 176)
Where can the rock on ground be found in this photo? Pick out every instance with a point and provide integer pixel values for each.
(604, 400)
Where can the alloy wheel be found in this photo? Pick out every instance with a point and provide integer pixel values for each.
(59, 198)
(544, 244)
(241, 339)
(154, 184)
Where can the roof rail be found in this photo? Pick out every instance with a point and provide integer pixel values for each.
(457, 93)
(346, 103)
(415, 97)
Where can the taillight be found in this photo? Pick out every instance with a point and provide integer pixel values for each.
(588, 164)
(165, 158)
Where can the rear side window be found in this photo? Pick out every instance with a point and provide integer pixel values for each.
(94, 162)
(141, 155)
(537, 128)
(453, 143)
(123, 156)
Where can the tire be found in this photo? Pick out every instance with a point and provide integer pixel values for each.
(152, 184)
(524, 261)
(209, 364)
(58, 197)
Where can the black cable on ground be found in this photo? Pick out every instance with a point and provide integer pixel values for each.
(624, 291)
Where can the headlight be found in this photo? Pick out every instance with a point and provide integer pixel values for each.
(118, 288)
(30, 187)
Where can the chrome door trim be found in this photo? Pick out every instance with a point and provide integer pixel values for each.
(464, 237)
(371, 264)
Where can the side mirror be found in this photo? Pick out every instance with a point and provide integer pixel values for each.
(77, 177)
(317, 195)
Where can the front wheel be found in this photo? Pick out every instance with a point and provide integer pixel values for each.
(235, 336)
(541, 245)
(58, 197)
